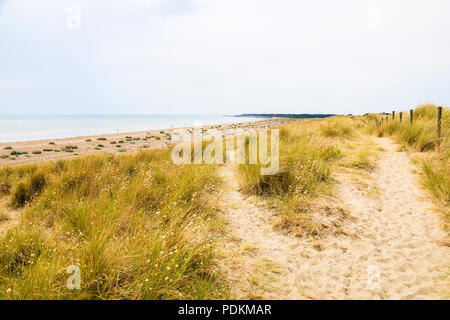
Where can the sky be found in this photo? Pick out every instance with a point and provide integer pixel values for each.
(222, 56)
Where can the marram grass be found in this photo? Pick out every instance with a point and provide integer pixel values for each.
(307, 152)
(138, 226)
(422, 137)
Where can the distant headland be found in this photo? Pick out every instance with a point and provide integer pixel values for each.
(285, 115)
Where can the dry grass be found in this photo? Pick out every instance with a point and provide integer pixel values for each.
(138, 226)
(4, 216)
(421, 136)
(309, 152)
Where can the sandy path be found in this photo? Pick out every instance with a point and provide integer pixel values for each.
(392, 251)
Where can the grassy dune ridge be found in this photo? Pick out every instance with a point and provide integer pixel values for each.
(141, 227)
(137, 225)
(309, 152)
(433, 152)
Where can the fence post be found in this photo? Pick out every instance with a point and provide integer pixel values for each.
(393, 115)
(410, 116)
(382, 120)
(387, 119)
(438, 121)
(401, 116)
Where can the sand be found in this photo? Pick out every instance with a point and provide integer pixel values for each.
(142, 139)
(395, 247)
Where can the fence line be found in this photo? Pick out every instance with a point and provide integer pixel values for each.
(385, 119)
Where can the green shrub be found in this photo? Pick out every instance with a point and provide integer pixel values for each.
(69, 148)
(18, 153)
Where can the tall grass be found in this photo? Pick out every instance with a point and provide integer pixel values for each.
(307, 152)
(422, 137)
(138, 226)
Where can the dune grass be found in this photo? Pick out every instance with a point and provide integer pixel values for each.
(421, 136)
(138, 226)
(3, 216)
(308, 151)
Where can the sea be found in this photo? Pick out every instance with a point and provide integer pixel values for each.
(15, 128)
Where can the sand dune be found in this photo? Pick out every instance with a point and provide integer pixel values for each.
(393, 250)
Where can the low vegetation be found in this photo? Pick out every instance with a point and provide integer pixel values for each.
(18, 153)
(308, 151)
(138, 226)
(421, 136)
(70, 148)
(141, 227)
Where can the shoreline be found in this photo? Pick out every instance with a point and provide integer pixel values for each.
(79, 128)
(35, 151)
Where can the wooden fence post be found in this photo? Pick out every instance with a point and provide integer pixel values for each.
(411, 116)
(438, 121)
(401, 116)
(387, 119)
(382, 120)
(393, 115)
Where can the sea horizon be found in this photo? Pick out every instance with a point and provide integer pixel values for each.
(30, 127)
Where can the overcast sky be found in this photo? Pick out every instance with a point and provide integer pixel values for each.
(222, 56)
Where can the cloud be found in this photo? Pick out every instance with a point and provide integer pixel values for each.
(232, 56)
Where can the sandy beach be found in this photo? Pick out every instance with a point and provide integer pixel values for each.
(22, 152)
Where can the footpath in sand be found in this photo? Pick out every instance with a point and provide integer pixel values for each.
(394, 248)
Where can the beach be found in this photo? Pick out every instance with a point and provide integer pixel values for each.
(35, 151)
(344, 216)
